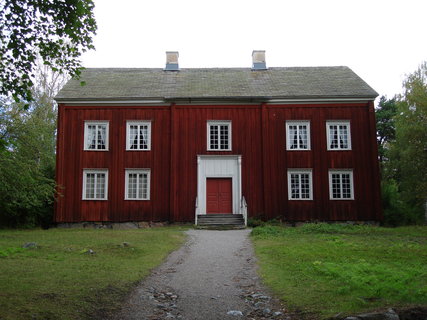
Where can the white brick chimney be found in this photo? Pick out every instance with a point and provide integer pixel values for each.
(258, 60)
(172, 61)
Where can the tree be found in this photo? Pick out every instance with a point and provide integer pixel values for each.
(386, 131)
(410, 149)
(58, 31)
(27, 161)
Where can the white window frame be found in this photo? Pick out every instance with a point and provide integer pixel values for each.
(96, 172)
(288, 134)
(208, 136)
(138, 123)
(328, 134)
(341, 172)
(86, 134)
(310, 179)
(137, 171)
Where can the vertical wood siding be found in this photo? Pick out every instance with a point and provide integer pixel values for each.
(179, 134)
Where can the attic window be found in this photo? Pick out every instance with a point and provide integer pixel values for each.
(219, 135)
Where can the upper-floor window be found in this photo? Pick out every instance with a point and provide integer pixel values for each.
(300, 184)
(341, 185)
(138, 135)
(219, 135)
(95, 184)
(298, 135)
(137, 183)
(96, 135)
(338, 135)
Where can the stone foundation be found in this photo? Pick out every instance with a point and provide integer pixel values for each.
(112, 225)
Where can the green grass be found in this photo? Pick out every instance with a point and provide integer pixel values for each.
(321, 270)
(59, 279)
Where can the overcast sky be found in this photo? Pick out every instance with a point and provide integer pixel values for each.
(380, 40)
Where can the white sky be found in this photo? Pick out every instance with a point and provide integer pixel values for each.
(380, 40)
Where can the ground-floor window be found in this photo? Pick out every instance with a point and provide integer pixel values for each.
(137, 184)
(95, 184)
(300, 184)
(341, 184)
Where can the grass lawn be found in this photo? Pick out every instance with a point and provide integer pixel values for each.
(61, 279)
(321, 270)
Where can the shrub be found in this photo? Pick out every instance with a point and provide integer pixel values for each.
(396, 211)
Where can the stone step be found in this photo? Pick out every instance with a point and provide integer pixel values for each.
(221, 220)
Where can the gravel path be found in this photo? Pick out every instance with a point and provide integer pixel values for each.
(213, 276)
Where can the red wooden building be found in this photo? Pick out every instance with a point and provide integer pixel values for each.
(177, 144)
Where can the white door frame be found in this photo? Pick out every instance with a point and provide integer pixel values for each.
(219, 166)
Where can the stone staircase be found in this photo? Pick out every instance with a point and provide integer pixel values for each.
(220, 221)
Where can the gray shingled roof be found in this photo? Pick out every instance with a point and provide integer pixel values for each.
(216, 83)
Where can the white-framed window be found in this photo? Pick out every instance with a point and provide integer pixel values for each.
(338, 135)
(137, 183)
(300, 184)
(95, 184)
(219, 135)
(341, 185)
(96, 135)
(138, 135)
(298, 135)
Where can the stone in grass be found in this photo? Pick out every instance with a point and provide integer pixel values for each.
(390, 314)
(29, 245)
(235, 313)
(87, 251)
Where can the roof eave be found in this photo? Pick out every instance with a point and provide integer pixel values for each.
(212, 100)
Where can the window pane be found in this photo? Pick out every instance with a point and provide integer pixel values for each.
(100, 186)
(293, 137)
(91, 137)
(305, 186)
(295, 194)
(90, 186)
(343, 137)
(346, 187)
(333, 136)
(101, 134)
(144, 186)
(224, 137)
(143, 137)
(214, 143)
(132, 185)
(133, 137)
(336, 186)
(303, 137)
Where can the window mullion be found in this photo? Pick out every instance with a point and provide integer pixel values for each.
(137, 185)
(95, 183)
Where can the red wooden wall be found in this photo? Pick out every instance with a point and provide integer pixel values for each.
(179, 135)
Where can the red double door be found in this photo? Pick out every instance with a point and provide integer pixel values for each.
(219, 196)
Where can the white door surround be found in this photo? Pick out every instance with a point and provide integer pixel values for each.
(219, 166)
